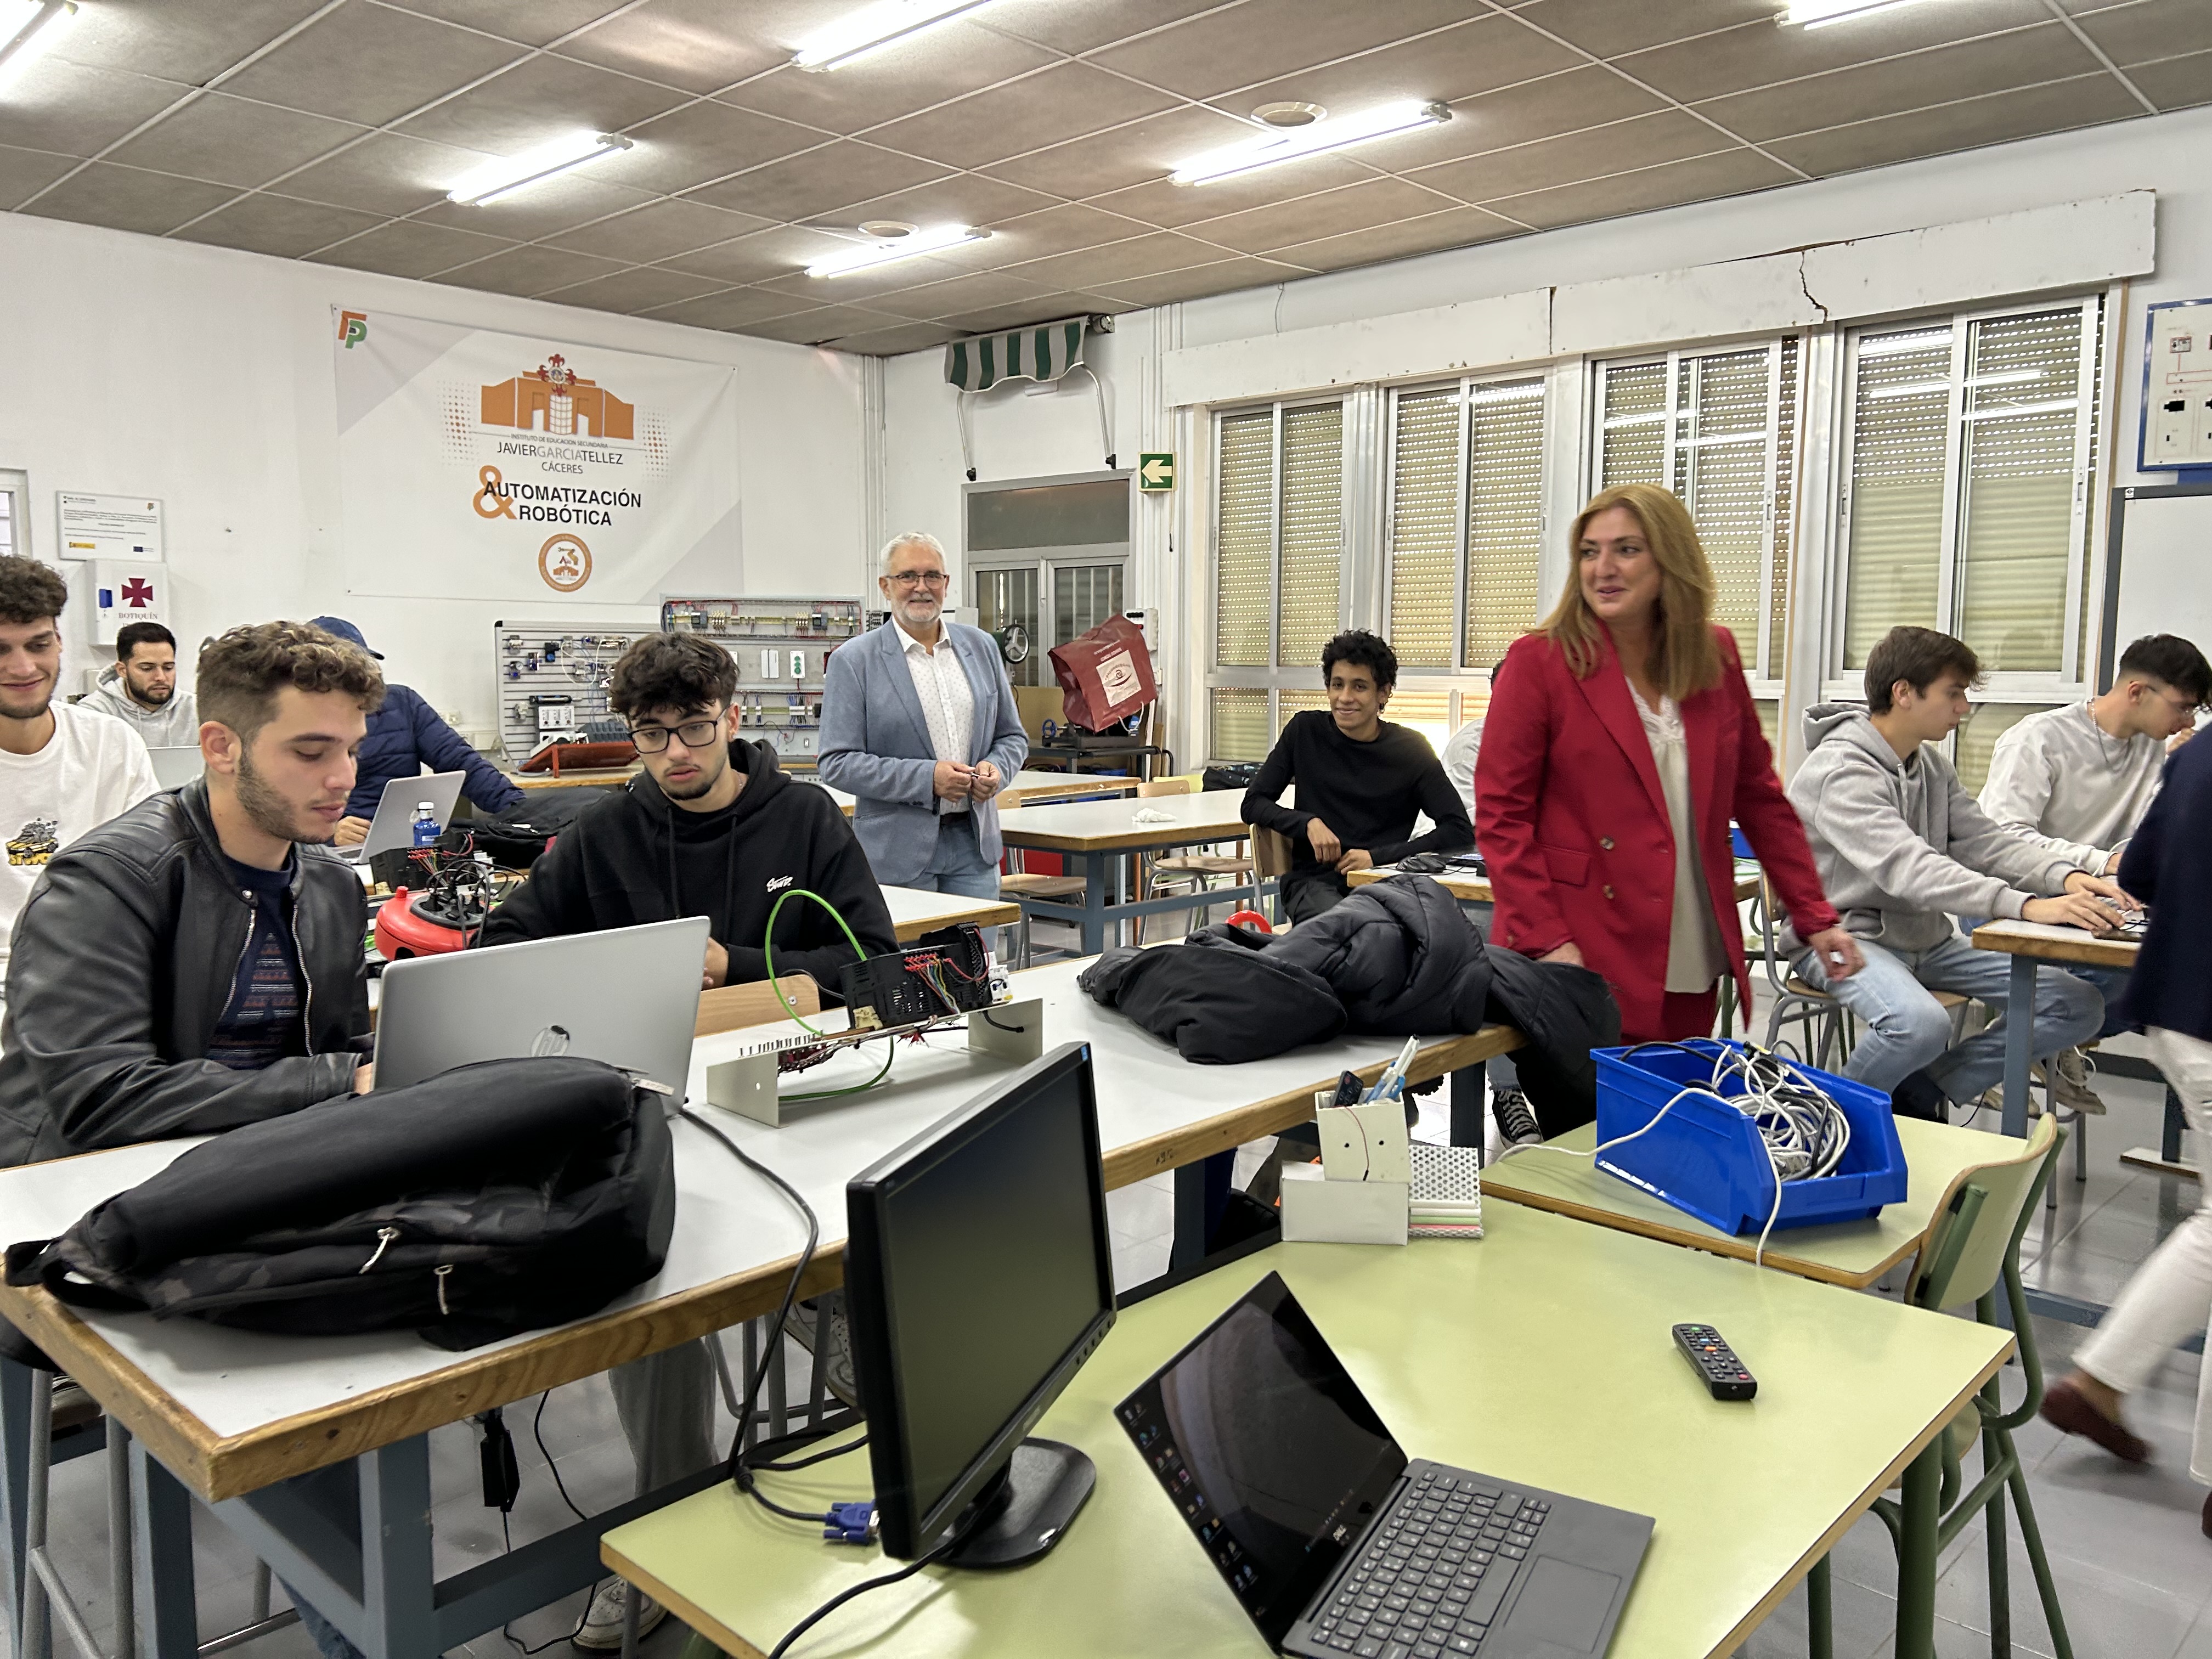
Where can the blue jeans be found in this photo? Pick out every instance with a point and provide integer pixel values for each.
(957, 866)
(1907, 1030)
(967, 884)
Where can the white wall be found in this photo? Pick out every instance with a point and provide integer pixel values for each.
(204, 377)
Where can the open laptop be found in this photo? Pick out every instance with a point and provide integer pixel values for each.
(176, 765)
(628, 996)
(394, 823)
(1334, 1541)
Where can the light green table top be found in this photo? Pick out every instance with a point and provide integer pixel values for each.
(1442, 1336)
(1852, 1253)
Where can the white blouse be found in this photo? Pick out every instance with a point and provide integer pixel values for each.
(1695, 957)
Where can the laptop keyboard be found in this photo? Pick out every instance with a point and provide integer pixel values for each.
(1429, 1581)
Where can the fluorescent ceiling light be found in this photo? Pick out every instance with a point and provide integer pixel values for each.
(510, 173)
(29, 29)
(1820, 14)
(1337, 132)
(866, 254)
(873, 27)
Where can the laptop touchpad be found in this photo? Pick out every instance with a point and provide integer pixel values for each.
(1563, 1604)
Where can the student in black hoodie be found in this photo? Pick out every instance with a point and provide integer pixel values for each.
(712, 829)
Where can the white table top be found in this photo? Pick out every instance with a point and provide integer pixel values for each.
(912, 907)
(2056, 943)
(1024, 786)
(728, 1221)
(1112, 823)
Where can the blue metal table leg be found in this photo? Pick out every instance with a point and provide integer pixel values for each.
(161, 1527)
(1093, 902)
(2020, 1031)
(399, 1588)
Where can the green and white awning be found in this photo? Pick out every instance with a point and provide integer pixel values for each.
(1044, 352)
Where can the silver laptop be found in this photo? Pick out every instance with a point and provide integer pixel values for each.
(175, 766)
(628, 996)
(394, 823)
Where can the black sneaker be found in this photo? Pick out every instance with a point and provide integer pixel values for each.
(1916, 1095)
(1516, 1124)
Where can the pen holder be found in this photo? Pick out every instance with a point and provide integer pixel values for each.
(1359, 1193)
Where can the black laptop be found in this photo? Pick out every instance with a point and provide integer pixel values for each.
(1335, 1541)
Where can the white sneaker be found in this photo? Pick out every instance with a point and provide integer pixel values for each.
(602, 1630)
(837, 1362)
(2072, 1070)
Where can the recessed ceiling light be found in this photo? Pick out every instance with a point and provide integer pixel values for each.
(1337, 132)
(510, 173)
(29, 29)
(1288, 114)
(888, 230)
(873, 27)
(882, 253)
(1819, 14)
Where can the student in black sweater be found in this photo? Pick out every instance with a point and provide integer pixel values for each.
(1361, 781)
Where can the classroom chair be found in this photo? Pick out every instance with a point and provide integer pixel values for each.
(1271, 860)
(1972, 1245)
(1191, 872)
(727, 1008)
(1017, 884)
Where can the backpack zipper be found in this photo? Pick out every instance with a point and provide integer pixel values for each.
(384, 1236)
(441, 1272)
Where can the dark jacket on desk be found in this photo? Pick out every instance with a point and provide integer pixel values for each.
(2166, 868)
(124, 957)
(618, 864)
(405, 735)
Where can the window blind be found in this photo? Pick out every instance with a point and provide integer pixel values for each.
(1900, 439)
(1245, 540)
(1632, 436)
(1978, 739)
(1722, 457)
(1505, 517)
(1785, 513)
(1312, 534)
(1240, 724)
(1425, 483)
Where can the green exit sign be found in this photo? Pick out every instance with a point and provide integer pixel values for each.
(1156, 472)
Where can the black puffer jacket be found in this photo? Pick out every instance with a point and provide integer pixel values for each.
(1401, 956)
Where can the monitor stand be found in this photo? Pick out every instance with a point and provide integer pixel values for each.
(1035, 1497)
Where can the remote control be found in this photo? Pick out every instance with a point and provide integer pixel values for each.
(1716, 1362)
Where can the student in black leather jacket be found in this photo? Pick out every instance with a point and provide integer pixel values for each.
(196, 963)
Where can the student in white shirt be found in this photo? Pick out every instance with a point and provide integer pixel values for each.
(63, 768)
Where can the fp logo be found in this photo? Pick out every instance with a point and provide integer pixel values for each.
(353, 328)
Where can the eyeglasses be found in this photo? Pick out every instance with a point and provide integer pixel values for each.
(920, 579)
(696, 734)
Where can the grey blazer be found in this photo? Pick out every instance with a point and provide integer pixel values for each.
(875, 744)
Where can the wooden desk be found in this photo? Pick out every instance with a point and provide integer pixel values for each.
(1851, 1253)
(1439, 1336)
(915, 913)
(1095, 834)
(2029, 942)
(604, 777)
(228, 1413)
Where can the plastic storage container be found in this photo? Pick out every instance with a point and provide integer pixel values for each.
(1707, 1159)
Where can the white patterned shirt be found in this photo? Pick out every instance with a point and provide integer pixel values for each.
(948, 701)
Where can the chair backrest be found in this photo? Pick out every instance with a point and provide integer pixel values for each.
(1163, 787)
(1271, 850)
(727, 1008)
(1979, 1223)
(1776, 969)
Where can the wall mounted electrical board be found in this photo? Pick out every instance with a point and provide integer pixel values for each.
(550, 680)
(782, 647)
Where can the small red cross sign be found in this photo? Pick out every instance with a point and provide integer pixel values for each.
(137, 592)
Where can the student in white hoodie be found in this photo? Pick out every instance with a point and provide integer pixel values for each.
(1901, 849)
(141, 689)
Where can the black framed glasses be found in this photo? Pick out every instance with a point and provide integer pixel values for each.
(696, 734)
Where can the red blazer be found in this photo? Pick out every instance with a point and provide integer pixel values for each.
(1571, 818)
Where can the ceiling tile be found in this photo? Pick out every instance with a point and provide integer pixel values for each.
(1141, 255)
(657, 230)
(700, 141)
(558, 204)
(1454, 227)
(411, 248)
(1147, 149)
(1944, 75)
(126, 198)
(945, 63)
(965, 199)
(765, 253)
(894, 342)
(1222, 278)
(631, 291)
(823, 323)
(533, 24)
(1698, 179)
(978, 288)
(1606, 28)
(1518, 115)
(819, 180)
(1664, 136)
(1947, 127)
(24, 171)
(370, 64)
(1171, 205)
(70, 110)
(1759, 54)
(539, 99)
(692, 43)
(1024, 313)
(1263, 40)
(275, 225)
(1356, 207)
(232, 141)
(2150, 31)
(733, 308)
(1480, 55)
(529, 271)
(1034, 235)
(383, 174)
(2177, 83)
(186, 41)
(860, 288)
(1066, 102)
(1078, 26)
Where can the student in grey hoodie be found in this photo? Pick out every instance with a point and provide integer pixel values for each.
(141, 689)
(1902, 848)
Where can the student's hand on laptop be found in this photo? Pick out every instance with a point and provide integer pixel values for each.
(1356, 858)
(2074, 910)
(1839, 953)
(953, 781)
(984, 781)
(718, 967)
(364, 1078)
(351, 832)
(1323, 839)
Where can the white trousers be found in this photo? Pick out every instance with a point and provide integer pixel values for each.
(2171, 1294)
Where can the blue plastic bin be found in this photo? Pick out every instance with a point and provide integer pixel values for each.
(1705, 1159)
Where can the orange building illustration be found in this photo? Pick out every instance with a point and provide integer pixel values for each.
(557, 401)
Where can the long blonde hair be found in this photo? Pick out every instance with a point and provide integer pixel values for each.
(1685, 658)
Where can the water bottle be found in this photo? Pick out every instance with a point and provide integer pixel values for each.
(426, 827)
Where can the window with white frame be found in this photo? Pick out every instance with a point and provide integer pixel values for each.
(1278, 566)
(1970, 466)
(14, 495)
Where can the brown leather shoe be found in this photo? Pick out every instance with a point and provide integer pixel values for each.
(2065, 1407)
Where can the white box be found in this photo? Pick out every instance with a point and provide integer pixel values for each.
(1364, 1143)
(1318, 1211)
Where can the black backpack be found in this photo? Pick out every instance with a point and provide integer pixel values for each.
(495, 1199)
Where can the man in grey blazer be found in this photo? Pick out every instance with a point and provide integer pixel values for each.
(918, 721)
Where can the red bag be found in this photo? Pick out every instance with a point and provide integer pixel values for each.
(1105, 675)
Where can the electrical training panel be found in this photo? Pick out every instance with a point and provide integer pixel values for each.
(782, 646)
(552, 681)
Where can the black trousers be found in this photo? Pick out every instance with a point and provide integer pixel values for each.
(1306, 896)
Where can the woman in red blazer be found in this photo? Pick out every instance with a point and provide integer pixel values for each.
(1621, 719)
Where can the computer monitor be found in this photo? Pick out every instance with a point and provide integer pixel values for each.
(978, 1279)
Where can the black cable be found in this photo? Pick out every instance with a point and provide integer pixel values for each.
(506, 1539)
(537, 1433)
(862, 1589)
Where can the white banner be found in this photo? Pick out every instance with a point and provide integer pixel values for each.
(478, 465)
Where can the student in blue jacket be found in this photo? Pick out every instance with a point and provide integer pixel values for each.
(405, 736)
